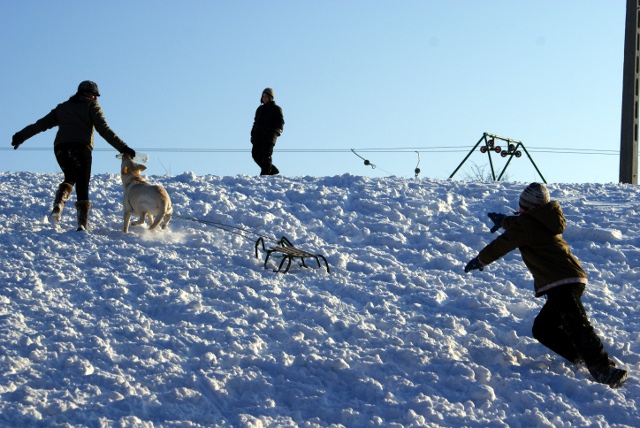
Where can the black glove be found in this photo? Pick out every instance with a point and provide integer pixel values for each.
(16, 141)
(128, 151)
(497, 221)
(473, 264)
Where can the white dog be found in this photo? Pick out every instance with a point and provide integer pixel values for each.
(143, 199)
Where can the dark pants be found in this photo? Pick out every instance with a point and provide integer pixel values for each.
(75, 162)
(563, 326)
(261, 154)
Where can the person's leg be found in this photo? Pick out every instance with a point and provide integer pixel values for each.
(83, 177)
(75, 162)
(82, 170)
(66, 160)
(62, 195)
(83, 207)
(565, 301)
(262, 157)
(547, 329)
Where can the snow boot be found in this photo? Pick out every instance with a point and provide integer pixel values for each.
(613, 377)
(607, 373)
(62, 195)
(83, 214)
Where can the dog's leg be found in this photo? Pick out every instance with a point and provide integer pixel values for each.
(127, 218)
(157, 220)
(140, 220)
(167, 218)
(166, 210)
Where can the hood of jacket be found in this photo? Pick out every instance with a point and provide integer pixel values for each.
(550, 215)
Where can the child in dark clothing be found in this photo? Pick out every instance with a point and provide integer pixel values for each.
(267, 127)
(562, 325)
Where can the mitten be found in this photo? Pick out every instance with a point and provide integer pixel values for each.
(16, 141)
(473, 264)
(128, 151)
(497, 221)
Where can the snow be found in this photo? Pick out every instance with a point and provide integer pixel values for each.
(186, 328)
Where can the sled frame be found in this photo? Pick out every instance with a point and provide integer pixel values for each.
(289, 253)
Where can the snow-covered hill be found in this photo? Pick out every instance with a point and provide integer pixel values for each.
(185, 328)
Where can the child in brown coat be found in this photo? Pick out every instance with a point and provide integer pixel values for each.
(562, 325)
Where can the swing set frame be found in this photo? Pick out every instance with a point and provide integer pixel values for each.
(487, 144)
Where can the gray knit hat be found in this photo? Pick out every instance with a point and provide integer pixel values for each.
(269, 92)
(89, 86)
(534, 195)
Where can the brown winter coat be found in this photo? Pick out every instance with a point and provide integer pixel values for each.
(538, 235)
(75, 119)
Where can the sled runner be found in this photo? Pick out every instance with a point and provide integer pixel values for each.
(289, 252)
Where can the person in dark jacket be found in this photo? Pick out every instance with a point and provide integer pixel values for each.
(267, 127)
(562, 325)
(76, 119)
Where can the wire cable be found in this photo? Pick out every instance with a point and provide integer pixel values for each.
(435, 149)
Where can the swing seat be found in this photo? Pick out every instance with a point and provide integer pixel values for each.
(289, 253)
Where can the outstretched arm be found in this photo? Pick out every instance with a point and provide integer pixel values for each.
(47, 122)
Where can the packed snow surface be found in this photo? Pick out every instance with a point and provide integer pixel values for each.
(186, 328)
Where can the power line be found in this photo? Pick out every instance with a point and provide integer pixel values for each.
(436, 149)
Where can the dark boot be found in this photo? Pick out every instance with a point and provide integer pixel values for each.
(608, 374)
(83, 214)
(62, 195)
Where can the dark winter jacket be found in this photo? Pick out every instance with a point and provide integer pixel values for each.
(75, 119)
(538, 235)
(267, 125)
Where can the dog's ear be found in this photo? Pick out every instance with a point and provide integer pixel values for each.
(140, 167)
(125, 170)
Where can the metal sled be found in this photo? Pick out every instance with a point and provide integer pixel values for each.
(289, 252)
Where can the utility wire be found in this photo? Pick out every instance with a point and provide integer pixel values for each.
(441, 149)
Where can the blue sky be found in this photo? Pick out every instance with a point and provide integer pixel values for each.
(181, 81)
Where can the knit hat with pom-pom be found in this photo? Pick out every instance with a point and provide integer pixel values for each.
(534, 195)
